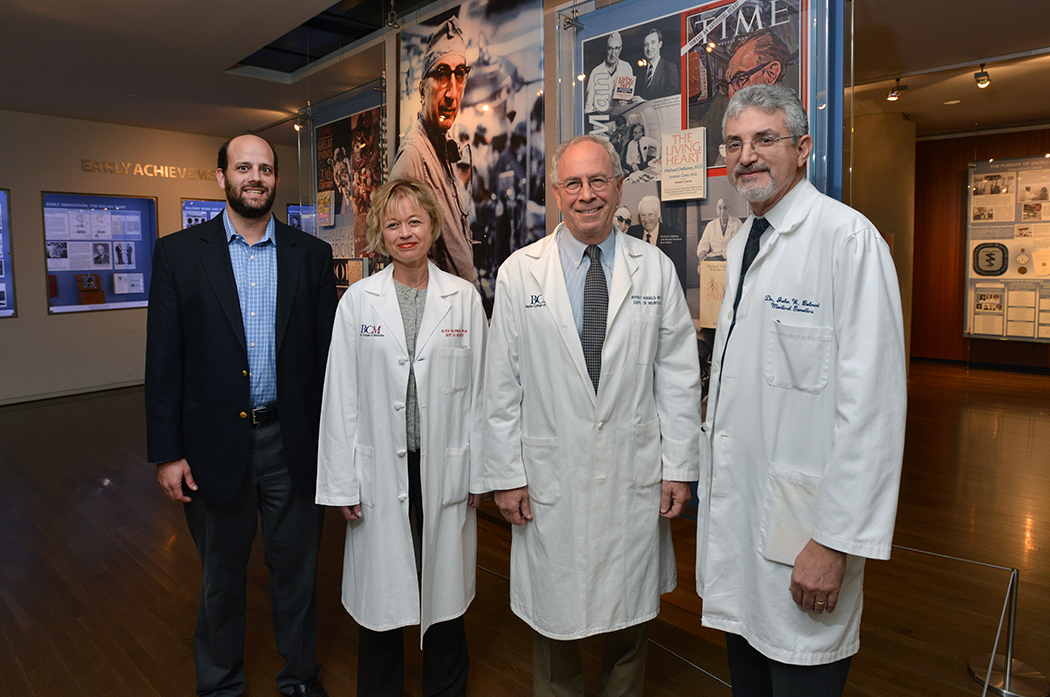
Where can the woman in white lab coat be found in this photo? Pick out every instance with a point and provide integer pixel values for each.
(399, 449)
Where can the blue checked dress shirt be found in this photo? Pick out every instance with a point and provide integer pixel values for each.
(255, 271)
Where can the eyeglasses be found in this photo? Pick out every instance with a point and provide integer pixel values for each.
(621, 219)
(574, 186)
(442, 74)
(740, 80)
(736, 147)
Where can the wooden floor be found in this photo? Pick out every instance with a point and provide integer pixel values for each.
(99, 579)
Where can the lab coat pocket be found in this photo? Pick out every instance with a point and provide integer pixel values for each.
(790, 511)
(542, 470)
(454, 368)
(645, 328)
(456, 486)
(798, 358)
(647, 466)
(365, 462)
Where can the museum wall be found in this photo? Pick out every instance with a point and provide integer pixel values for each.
(44, 355)
(939, 278)
(884, 191)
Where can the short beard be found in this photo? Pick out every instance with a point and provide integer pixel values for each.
(246, 210)
(754, 192)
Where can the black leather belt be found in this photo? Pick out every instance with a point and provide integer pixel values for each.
(262, 416)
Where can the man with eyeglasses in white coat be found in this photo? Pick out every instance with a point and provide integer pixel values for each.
(804, 433)
(592, 427)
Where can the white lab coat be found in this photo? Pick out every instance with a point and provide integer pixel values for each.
(805, 426)
(362, 450)
(597, 555)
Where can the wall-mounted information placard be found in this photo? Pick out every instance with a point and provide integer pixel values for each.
(99, 251)
(7, 278)
(1008, 236)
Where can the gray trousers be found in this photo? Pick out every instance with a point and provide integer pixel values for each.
(224, 533)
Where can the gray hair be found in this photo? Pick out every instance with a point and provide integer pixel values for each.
(770, 99)
(614, 158)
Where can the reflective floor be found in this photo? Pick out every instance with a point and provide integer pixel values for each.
(99, 579)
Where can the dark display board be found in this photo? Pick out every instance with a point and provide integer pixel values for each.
(99, 251)
(7, 278)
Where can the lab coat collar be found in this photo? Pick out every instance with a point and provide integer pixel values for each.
(546, 269)
(384, 302)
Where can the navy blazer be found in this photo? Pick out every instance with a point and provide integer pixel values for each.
(198, 401)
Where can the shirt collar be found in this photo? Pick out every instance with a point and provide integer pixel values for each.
(231, 232)
(778, 213)
(576, 250)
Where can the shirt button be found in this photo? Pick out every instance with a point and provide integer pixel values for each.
(253, 314)
(253, 285)
(402, 452)
(252, 256)
(253, 344)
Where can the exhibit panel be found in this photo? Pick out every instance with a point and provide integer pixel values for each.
(98, 251)
(196, 211)
(7, 277)
(1008, 243)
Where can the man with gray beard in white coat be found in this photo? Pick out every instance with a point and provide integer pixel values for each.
(804, 436)
(592, 427)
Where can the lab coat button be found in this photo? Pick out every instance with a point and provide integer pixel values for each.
(601, 425)
(398, 406)
(402, 361)
(402, 497)
(402, 453)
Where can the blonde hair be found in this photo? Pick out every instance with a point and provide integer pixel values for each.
(388, 195)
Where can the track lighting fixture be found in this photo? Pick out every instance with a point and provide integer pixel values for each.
(895, 93)
(981, 77)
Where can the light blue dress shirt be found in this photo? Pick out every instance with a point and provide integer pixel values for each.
(255, 271)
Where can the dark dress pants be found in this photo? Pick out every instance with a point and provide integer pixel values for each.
(291, 525)
(381, 655)
(754, 675)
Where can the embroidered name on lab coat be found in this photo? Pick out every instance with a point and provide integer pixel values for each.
(792, 304)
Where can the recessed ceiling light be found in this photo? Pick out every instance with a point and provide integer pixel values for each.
(950, 102)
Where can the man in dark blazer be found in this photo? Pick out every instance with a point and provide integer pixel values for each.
(651, 229)
(240, 317)
(659, 77)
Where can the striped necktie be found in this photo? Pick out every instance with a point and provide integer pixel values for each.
(595, 310)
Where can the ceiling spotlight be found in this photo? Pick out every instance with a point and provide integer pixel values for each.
(895, 93)
(981, 77)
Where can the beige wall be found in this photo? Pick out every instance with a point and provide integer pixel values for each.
(46, 356)
(884, 191)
